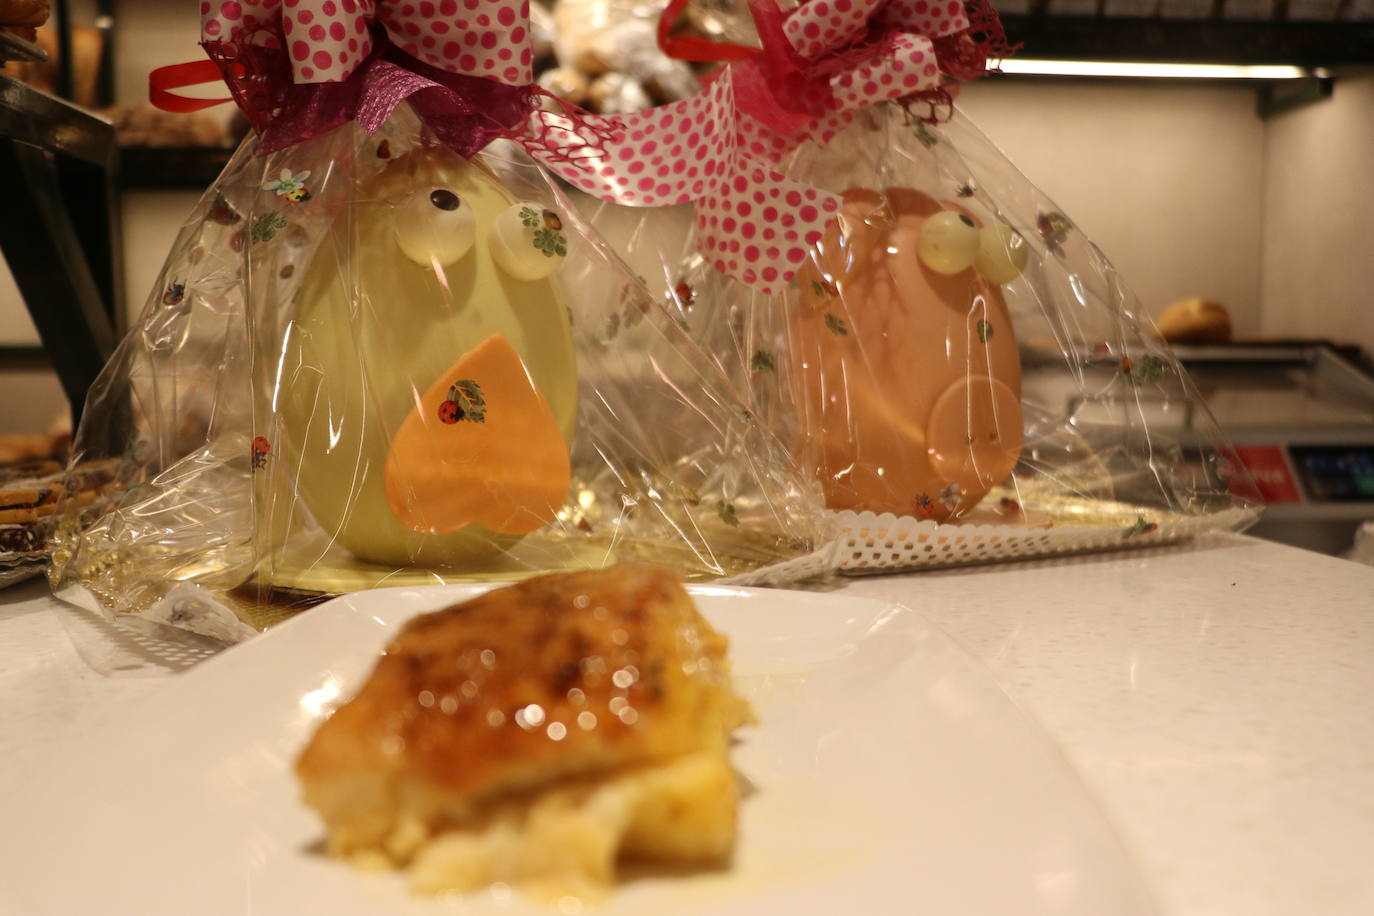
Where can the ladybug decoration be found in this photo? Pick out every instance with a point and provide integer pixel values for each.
(174, 293)
(1053, 228)
(464, 402)
(261, 449)
(552, 220)
(289, 185)
(684, 293)
(924, 505)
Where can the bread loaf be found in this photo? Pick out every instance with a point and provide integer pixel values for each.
(1195, 321)
(29, 13)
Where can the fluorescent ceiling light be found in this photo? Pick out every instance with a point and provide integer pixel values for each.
(1155, 70)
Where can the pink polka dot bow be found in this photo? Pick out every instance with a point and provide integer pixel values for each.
(300, 68)
(329, 39)
(817, 66)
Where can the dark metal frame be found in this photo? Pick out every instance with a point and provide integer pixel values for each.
(1304, 44)
(61, 229)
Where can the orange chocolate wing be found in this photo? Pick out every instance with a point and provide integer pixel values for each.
(481, 447)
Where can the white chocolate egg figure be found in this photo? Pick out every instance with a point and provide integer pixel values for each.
(428, 391)
(903, 358)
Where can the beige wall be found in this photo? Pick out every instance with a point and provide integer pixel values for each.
(1166, 179)
(16, 328)
(1318, 248)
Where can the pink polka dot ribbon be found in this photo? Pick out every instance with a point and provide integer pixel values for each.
(931, 18)
(328, 39)
(668, 155)
(753, 222)
(909, 67)
(757, 225)
(822, 26)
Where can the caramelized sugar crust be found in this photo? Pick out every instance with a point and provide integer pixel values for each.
(564, 677)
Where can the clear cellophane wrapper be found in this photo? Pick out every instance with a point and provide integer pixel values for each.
(369, 362)
(960, 369)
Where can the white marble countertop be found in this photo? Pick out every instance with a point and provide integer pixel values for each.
(1218, 699)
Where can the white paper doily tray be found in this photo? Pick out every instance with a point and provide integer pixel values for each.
(872, 543)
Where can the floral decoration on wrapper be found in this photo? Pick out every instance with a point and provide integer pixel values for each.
(962, 372)
(377, 354)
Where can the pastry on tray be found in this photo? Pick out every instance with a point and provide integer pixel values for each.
(38, 447)
(34, 493)
(28, 497)
(537, 735)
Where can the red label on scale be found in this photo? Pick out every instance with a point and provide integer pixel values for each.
(1273, 476)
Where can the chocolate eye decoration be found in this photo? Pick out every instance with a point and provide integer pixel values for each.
(948, 242)
(444, 199)
(1002, 253)
(435, 226)
(527, 241)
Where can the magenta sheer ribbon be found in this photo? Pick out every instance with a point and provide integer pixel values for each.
(463, 112)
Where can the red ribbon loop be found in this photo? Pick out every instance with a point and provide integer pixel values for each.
(178, 76)
(691, 48)
(773, 83)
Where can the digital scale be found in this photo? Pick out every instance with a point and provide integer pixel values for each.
(1300, 417)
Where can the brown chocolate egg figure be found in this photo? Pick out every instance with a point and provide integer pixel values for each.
(904, 364)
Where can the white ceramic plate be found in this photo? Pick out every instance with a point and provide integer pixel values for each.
(892, 774)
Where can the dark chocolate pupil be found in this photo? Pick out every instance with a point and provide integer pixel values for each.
(966, 220)
(444, 199)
